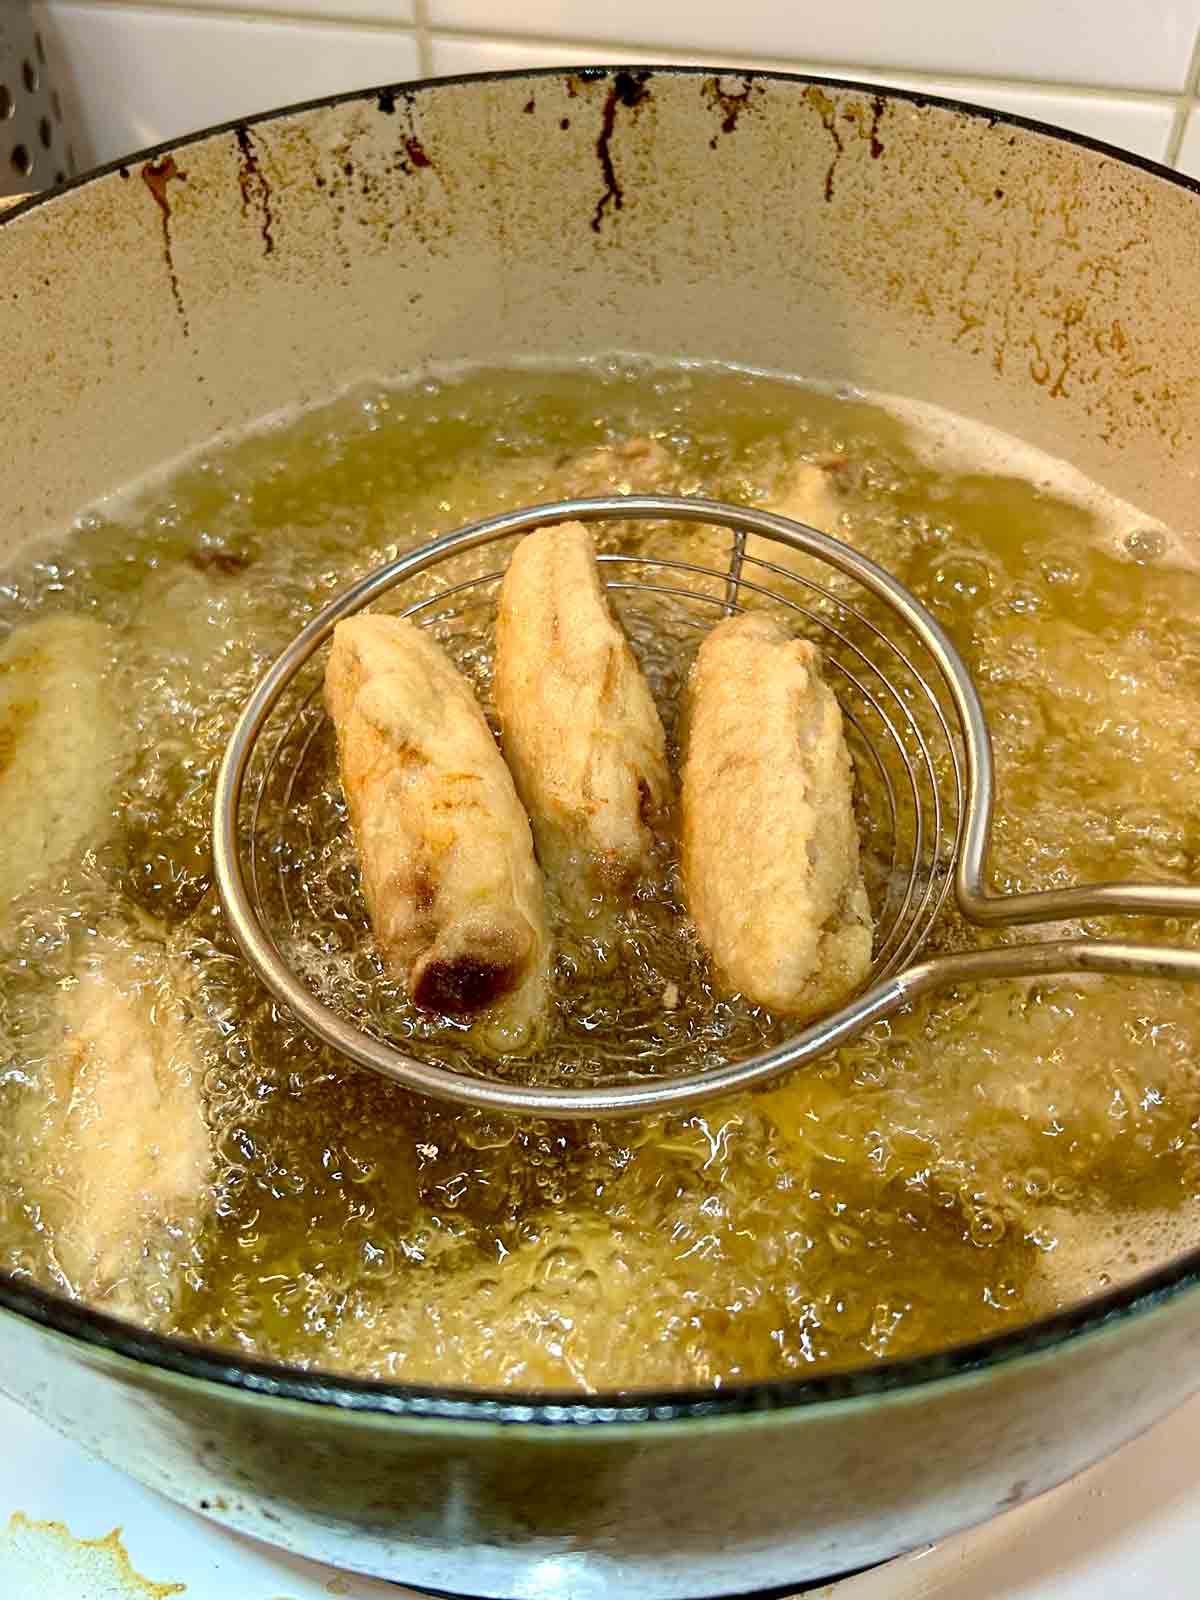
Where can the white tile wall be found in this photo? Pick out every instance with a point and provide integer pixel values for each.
(1142, 124)
(143, 75)
(1125, 71)
(1144, 44)
(1189, 151)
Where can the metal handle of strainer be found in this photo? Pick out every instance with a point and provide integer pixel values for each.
(965, 855)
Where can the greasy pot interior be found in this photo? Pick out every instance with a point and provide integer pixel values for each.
(1029, 281)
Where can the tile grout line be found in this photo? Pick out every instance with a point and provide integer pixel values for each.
(424, 40)
(1183, 106)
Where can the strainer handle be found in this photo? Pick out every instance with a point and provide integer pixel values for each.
(983, 905)
(1081, 900)
(1056, 956)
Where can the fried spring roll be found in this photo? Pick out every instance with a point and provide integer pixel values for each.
(122, 1137)
(581, 732)
(770, 850)
(64, 742)
(454, 892)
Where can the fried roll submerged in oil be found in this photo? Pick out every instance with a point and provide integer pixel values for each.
(581, 731)
(121, 1127)
(770, 849)
(455, 896)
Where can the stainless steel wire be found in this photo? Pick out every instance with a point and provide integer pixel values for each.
(917, 733)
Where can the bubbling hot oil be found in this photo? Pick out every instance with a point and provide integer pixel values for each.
(989, 1156)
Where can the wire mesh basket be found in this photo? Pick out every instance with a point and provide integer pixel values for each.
(917, 733)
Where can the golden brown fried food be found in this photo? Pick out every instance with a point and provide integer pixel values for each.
(807, 494)
(770, 849)
(581, 731)
(63, 746)
(125, 1145)
(455, 896)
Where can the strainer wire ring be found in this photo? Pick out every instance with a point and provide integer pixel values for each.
(878, 1002)
(297, 764)
(264, 955)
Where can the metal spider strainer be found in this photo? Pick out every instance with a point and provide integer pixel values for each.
(917, 733)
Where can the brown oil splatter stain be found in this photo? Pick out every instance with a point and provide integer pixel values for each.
(827, 111)
(627, 89)
(970, 319)
(1071, 316)
(102, 1561)
(729, 102)
(878, 109)
(865, 119)
(416, 151)
(1039, 366)
(1111, 340)
(256, 191)
(156, 175)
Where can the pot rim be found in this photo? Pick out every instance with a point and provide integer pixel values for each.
(191, 1360)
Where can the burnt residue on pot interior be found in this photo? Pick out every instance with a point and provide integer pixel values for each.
(827, 111)
(729, 103)
(156, 175)
(256, 190)
(411, 157)
(878, 107)
(627, 89)
(864, 117)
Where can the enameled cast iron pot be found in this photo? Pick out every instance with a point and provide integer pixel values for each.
(1040, 282)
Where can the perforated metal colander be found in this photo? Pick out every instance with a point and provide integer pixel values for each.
(38, 145)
